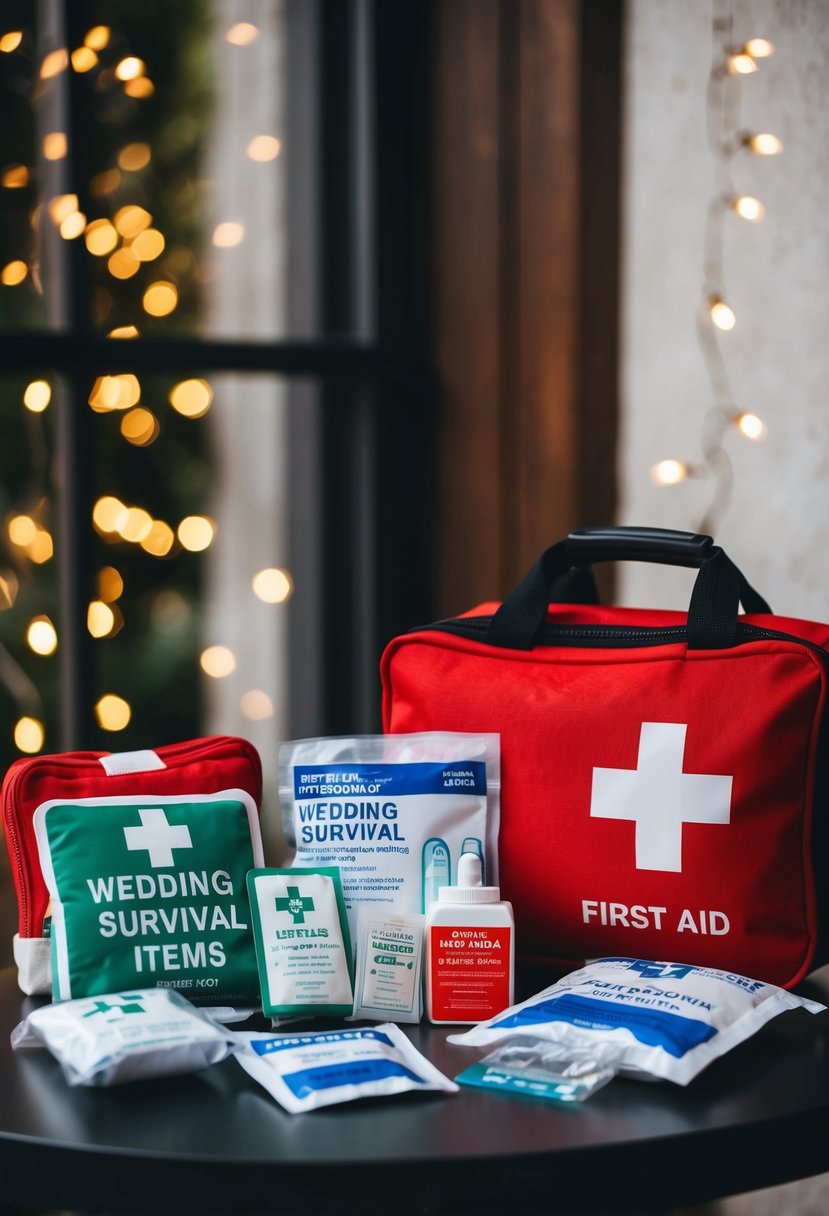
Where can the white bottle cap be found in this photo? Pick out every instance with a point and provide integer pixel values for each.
(469, 889)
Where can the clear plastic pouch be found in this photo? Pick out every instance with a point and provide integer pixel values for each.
(536, 1068)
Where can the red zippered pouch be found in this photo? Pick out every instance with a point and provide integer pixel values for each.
(198, 766)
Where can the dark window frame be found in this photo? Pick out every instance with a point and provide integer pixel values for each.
(375, 416)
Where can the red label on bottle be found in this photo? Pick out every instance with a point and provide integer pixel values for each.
(470, 972)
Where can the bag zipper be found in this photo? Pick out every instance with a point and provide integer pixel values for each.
(616, 635)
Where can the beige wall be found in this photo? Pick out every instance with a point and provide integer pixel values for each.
(776, 274)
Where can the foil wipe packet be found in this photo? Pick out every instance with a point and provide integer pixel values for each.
(394, 812)
(151, 891)
(322, 1068)
(669, 1020)
(125, 1036)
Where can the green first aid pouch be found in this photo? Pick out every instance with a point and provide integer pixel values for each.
(143, 856)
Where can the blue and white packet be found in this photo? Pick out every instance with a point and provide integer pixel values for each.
(393, 812)
(669, 1019)
(324, 1067)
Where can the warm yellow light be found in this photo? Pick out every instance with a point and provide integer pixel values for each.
(100, 237)
(242, 34)
(97, 38)
(160, 299)
(99, 619)
(105, 183)
(669, 472)
(160, 539)
(73, 226)
(42, 548)
(130, 67)
(191, 398)
(113, 712)
(140, 427)
(123, 264)
(55, 145)
(750, 426)
(721, 315)
(148, 245)
(21, 530)
(11, 41)
(108, 514)
(15, 177)
(42, 636)
(764, 144)
(84, 59)
(131, 220)
(37, 395)
(217, 661)
(228, 234)
(125, 331)
(133, 157)
(141, 87)
(759, 48)
(110, 584)
(115, 392)
(196, 532)
(740, 64)
(137, 525)
(264, 147)
(13, 273)
(256, 705)
(29, 735)
(62, 206)
(748, 208)
(273, 585)
(55, 62)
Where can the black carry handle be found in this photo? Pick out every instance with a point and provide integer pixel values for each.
(712, 614)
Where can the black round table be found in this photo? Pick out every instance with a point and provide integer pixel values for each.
(215, 1142)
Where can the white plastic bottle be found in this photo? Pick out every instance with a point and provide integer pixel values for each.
(470, 949)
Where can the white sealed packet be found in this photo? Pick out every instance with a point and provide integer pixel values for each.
(125, 1036)
(324, 1067)
(669, 1019)
(394, 812)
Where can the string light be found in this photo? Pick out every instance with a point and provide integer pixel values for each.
(41, 636)
(84, 59)
(242, 34)
(14, 273)
(15, 177)
(196, 532)
(133, 157)
(113, 712)
(264, 148)
(130, 67)
(100, 237)
(11, 41)
(97, 38)
(37, 395)
(55, 145)
(228, 234)
(217, 661)
(54, 63)
(191, 398)
(256, 705)
(272, 586)
(731, 65)
(160, 299)
(29, 735)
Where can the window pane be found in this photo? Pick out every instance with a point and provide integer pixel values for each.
(198, 589)
(162, 175)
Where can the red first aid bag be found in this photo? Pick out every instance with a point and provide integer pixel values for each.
(195, 767)
(663, 773)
